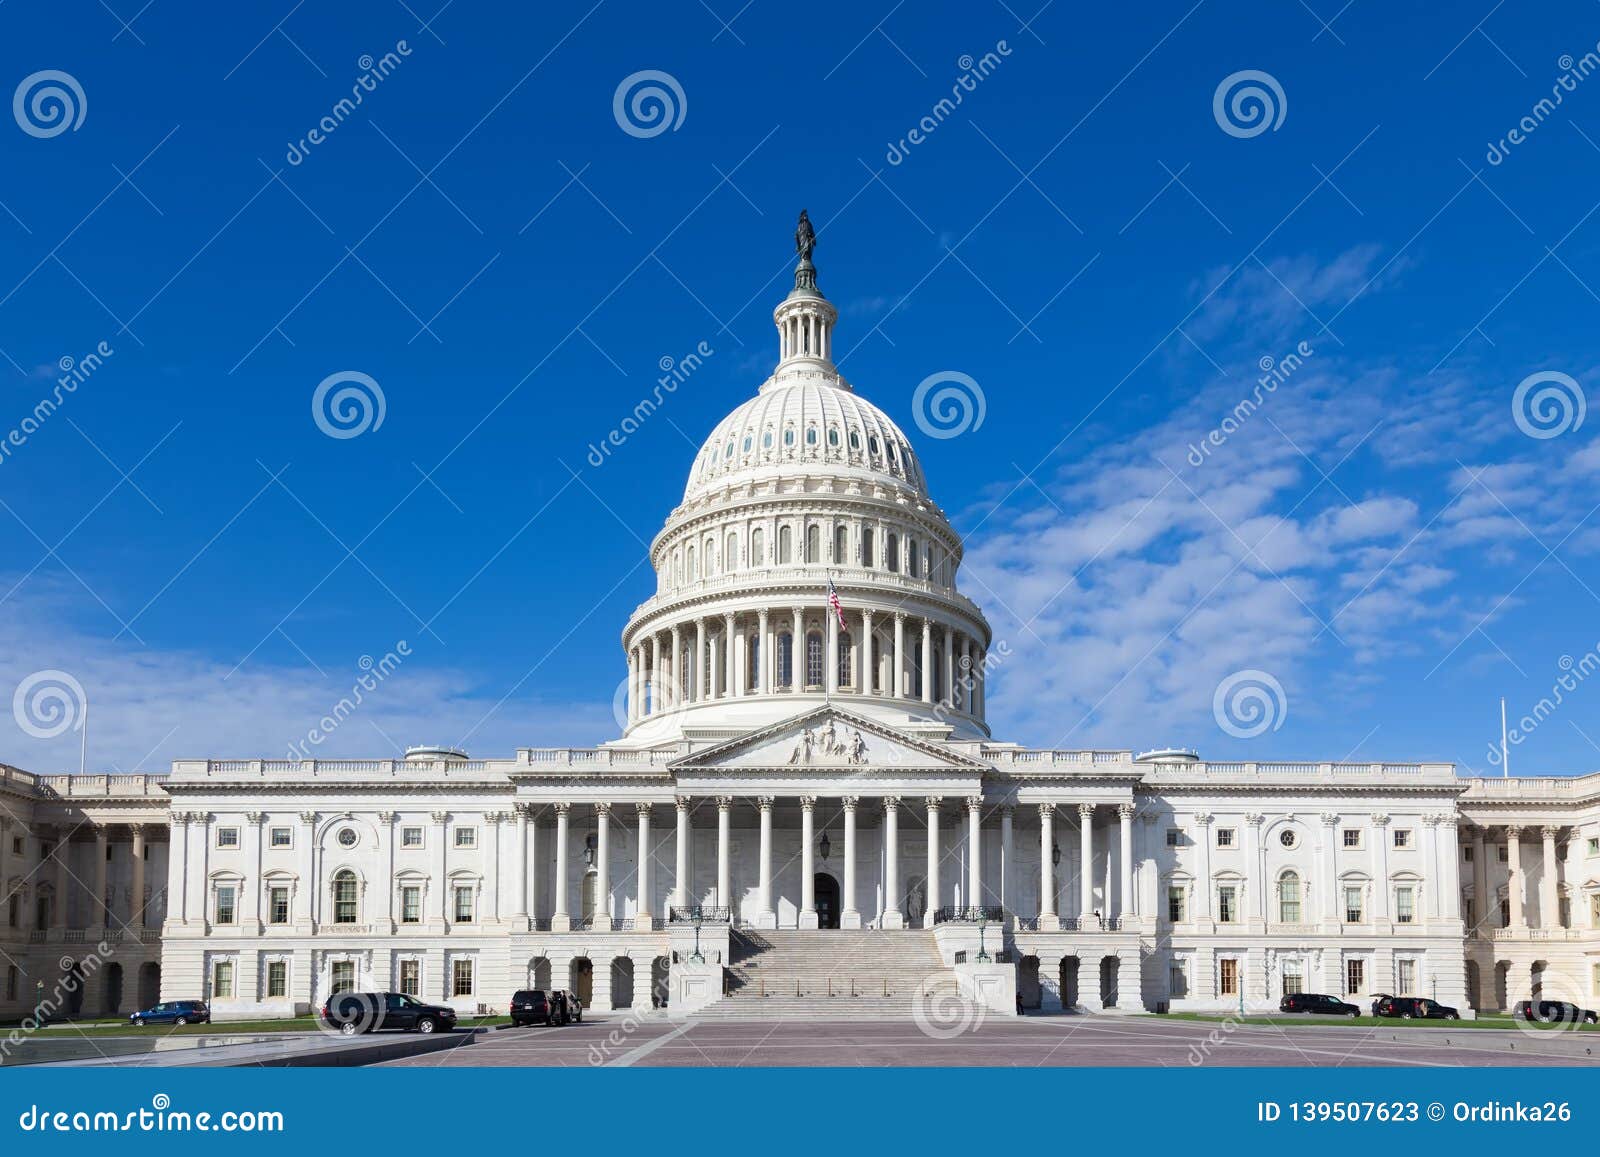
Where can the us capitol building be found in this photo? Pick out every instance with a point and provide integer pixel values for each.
(806, 806)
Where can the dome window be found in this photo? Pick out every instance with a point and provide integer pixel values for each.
(766, 440)
(855, 441)
(788, 437)
(728, 453)
(747, 443)
(833, 436)
(811, 436)
(872, 444)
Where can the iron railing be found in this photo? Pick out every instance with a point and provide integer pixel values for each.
(700, 914)
(980, 915)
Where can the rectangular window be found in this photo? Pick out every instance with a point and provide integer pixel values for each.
(1352, 837)
(461, 977)
(14, 910)
(1500, 851)
(1227, 904)
(1293, 978)
(343, 975)
(1466, 852)
(1175, 906)
(16, 846)
(1355, 976)
(12, 977)
(1352, 905)
(280, 837)
(277, 978)
(410, 837)
(1174, 837)
(225, 904)
(1178, 977)
(1405, 974)
(466, 837)
(411, 977)
(1228, 976)
(1594, 911)
(411, 905)
(1402, 837)
(227, 837)
(1594, 845)
(278, 905)
(222, 979)
(464, 904)
(814, 660)
(1404, 906)
(1225, 838)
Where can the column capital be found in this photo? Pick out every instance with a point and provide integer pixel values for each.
(602, 808)
(1047, 811)
(386, 817)
(1125, 810)
(1203, 819)
(307, 818)
(682, 802)
(642, 806)
(850, 802)
(255, 817)
(524, 811)
(724, 803)
(974, 803)
(934, 802)
(1380, 819)
(1086, 812)
(764, 802)
(1255, 819)
(1007, 811)
(891, 802)
(1550, 831)
(1329, 819)
(440, 817)
(563, 807)
(807, 802)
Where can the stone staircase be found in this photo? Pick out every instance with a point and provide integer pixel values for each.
(831, 974)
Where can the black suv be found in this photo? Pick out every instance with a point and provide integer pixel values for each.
(1414, 1008)
(355, 1012)
(1554, 1012)
(1317, 1002)
(530, 1006)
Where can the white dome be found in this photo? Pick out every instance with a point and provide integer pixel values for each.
(798, 420)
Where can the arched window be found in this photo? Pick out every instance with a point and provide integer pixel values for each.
(911, 557)
(694, 570)
(1289, 898)
(891, 552)
(758, 547)
(785, 544)
(752, 652)
(785, 660)
(869, 542)
(814, 659)
(710, 562)
(730, 554)
(935, 564)
(841, 544)
(813, 543)
(346, 890)
(847, 664)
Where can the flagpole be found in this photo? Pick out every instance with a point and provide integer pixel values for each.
(827, 698)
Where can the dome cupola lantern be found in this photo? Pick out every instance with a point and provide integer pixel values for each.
(805, 318)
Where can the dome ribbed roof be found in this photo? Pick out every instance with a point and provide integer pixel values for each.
(809, 424)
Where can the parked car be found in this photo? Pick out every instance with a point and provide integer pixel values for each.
(1377, 999)
(1415, 1008)
(530, 1006)
(565, 1007)
(1555, 1012)
(356, 1012)
(1317, 1003)
(173, 1012)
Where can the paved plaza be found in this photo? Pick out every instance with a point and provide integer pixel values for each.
(1029, 1042)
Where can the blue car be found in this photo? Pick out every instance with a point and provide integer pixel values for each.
(173, 1012)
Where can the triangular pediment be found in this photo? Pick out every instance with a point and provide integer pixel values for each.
(828, 738)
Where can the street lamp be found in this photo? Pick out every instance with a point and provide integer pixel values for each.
(696, 957)
(983, 921)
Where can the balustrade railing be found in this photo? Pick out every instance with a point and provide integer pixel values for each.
(700, 914)
(976, 915)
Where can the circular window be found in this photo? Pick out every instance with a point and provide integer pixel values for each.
(347, 837)
(1287, 838)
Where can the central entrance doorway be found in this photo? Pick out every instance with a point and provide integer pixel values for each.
(826, 893)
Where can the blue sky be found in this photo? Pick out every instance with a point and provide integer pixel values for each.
(1081, 236)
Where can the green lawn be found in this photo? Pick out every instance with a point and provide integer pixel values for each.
(1486, 1020)
(240, 1027)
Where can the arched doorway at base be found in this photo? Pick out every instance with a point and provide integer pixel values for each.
(825, 892)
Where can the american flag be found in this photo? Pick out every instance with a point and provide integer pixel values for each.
(833, 601)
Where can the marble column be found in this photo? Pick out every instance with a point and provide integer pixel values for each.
(1549, 890)
(974, 851)
(1086, 865)
(440, 819)
(808, 867)
(741, 662)
(849, 914)
(602, 866)
(927, 660)
(830, 655)
(869, 675)
(763, 653)
(1048, 920)
(519, 870)
(892, 916)
(560, 918)
(932, 884)
(99, 915)
(1007, 858)
(797, 650)
(724, 866)
(63, 882)
(643, 916)
(698, 664)
(654, 676)
(964, 690)
(1125, 907)
(897, 674)
(1514, 875)
(730, 659)
(947, 652)
(680, 866)
(765, 916)
(1484, 909)
(136, 901)
(305, 887)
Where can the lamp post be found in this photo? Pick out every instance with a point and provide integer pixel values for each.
(983, 922)
(696, 957)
